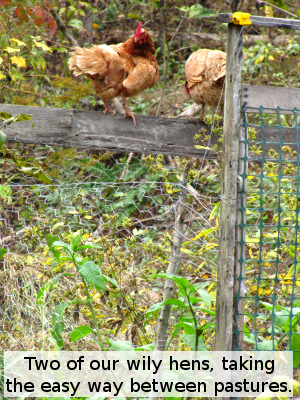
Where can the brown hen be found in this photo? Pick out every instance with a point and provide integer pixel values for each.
(124, 69)
(205, 74)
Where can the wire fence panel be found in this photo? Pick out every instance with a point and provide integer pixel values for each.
(269, 248)
(125, 205)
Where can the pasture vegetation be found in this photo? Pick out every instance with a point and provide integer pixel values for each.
(86, 236)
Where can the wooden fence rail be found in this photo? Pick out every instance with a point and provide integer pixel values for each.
(93, 130)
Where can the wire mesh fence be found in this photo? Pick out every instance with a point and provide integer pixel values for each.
(126, 205)
(269, 261)
(127, 210)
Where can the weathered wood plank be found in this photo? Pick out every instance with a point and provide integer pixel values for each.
(87, 129)
(271, 97)
(231, 129)
(265, 21)
(93, 130)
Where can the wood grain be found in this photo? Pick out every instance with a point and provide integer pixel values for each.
(271, 97)
(93, 130)
(230, 157)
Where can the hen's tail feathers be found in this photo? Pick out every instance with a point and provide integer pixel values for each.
(91, 62)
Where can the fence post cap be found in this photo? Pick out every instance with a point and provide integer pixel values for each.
(240, 18)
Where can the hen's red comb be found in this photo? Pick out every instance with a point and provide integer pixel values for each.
(138, 31)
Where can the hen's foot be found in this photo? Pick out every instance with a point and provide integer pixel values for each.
(130, 114)
(108, 109)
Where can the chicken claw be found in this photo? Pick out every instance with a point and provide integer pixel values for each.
(128, 113)
(131, 115)
(108, 109)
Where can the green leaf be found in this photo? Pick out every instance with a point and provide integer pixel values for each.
(188, 327)
(80, 332)
(180, 281)
(90, 246)
(153, 309)
(206, 310)
(194, 300)
(267, 345)
(295, 345)
(3, 137)
(2, 253)
(92, 274)
(205, 297)
(250, 338)
(175, 302)
(190, 341)
(76, 23)
(10, 119)
(5, 115)
(120, 345)
(196, 11)
(42, 292)
(51, 239)
(76, 242)
(58, 323)
(41, 176)
(111, 280)
(133, 16)
(281, 318)
(5, 193)
(24, 117)
(64, 245)
(146, 347)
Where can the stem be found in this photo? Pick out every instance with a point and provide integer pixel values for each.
(194, 319)
(91, 307)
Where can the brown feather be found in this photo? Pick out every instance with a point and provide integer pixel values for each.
(205, 74)
(124, 69)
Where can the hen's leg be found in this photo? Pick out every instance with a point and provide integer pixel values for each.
(108, 109)
(202, 111)
(128, 113)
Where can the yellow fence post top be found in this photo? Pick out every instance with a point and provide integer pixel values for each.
(240, 18)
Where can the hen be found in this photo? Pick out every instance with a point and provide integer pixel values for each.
(124, 69)
(205, 74)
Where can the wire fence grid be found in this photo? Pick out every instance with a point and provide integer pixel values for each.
(125, 209)
(269, 261)
(129, 211)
